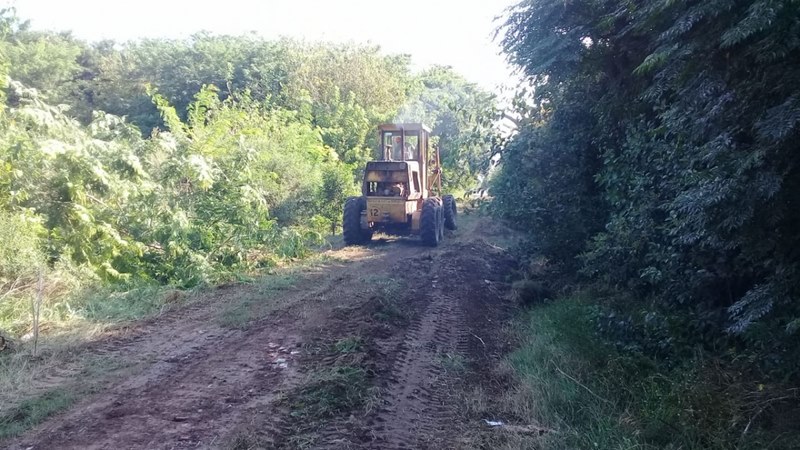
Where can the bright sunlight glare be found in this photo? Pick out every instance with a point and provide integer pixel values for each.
(455, 33)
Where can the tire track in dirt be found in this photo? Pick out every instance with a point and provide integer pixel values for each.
(421, 411)
(200, 378)
(458, 292)
(416, 408)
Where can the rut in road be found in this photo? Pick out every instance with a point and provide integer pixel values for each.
(460, 295)
(416, 400)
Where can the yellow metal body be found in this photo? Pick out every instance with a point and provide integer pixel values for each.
(396, 186)
(390, 209)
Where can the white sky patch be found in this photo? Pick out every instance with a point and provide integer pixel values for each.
(447, 32)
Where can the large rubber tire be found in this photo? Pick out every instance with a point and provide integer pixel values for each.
(429, 228)
(351, 222)
(450, 212)
(441, 219)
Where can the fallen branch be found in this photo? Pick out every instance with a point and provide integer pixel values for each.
(761, 409)
(15, 287)
(478, 338)
(522, 429)
(581, 385)
(494, 246)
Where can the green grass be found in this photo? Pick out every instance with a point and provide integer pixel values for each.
(88, 307)
(555, 351)
(98, 366)
(141, 301)
(331, 391)
(327, 393)
(67, 322)
(241, 312)
(35, 410)
(93, 304)
(275, 283)
(570, 380)
(238, 317)
(453, 363)
(337, 387)
(27, 396)
(350, 344)
(388, 294)
(247, 441)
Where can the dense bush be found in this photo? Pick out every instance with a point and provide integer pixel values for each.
(174, 208)
(659, 158)
(657, 164)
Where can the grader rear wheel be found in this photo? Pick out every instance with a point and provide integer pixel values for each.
(450, 212)
(430, 222)
(441, 221)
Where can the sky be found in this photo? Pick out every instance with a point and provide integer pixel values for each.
(457, 33)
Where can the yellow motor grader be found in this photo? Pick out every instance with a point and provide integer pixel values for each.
(402, 192)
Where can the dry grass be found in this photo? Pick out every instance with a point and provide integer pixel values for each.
(22, 375)
(33, 388)
(68, 321)
(34, 410)
(71, 320)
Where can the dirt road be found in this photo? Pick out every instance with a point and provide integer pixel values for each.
(376, 347)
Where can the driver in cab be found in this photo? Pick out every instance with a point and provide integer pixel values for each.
(402, 154)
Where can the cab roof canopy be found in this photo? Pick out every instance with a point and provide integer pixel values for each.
(404, 126)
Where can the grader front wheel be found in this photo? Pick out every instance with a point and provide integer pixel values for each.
(351, 222)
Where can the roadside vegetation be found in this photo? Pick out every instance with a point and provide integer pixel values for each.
(586, 392)
(655, 173)
(132, 172)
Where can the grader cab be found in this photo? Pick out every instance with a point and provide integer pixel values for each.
(402, 192)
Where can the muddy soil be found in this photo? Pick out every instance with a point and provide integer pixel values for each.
(374, 349)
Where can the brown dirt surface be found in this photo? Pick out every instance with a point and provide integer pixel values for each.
(373, 348)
